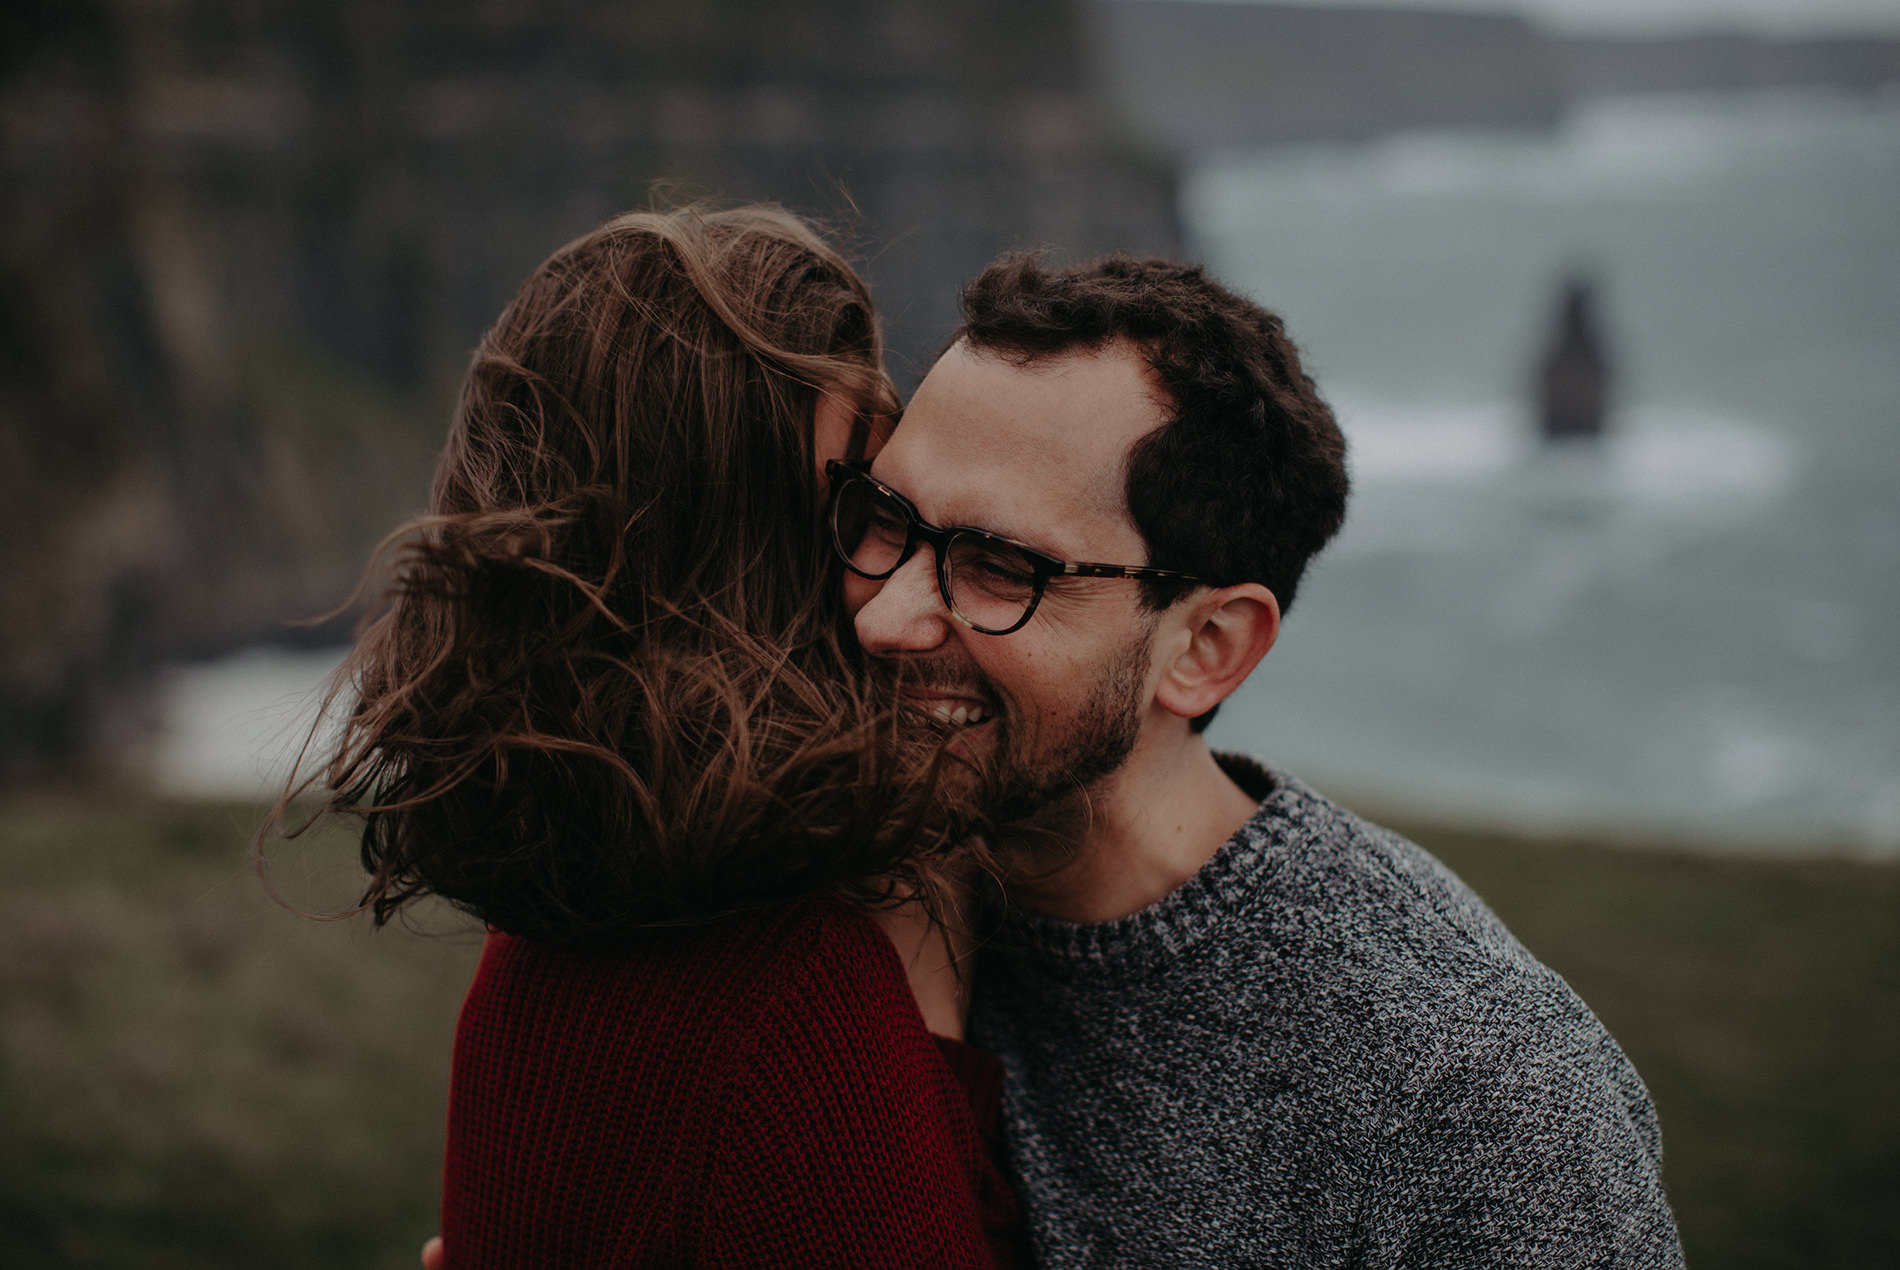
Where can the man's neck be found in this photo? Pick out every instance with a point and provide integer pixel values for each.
(1144, 831)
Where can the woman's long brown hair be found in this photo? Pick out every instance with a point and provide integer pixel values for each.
(609, 690)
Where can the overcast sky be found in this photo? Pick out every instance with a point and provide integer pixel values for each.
(1644, 17)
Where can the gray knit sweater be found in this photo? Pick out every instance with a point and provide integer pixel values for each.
(1322, 1050)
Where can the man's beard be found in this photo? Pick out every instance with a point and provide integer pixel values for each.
(1026, 782)
(1029, 782)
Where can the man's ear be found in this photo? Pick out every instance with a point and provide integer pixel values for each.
(1221, 636)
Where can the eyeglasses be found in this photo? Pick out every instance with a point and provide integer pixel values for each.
(989, 583)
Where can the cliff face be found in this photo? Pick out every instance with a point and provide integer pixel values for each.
(1728, 61)
(1200, 76)
(1205, 74)
(246, 248)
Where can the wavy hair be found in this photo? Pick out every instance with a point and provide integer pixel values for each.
(610, 687)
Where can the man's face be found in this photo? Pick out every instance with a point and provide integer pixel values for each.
(1035, 453)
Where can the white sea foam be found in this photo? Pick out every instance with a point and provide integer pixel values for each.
(1666, 456)
(232, 728)
(1676, 457)
(1431, 443)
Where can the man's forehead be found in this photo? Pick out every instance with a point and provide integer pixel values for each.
(1025, 449)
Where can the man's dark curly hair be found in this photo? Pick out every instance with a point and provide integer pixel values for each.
(1247, 479)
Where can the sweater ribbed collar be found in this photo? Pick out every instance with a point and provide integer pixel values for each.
(1229, 884)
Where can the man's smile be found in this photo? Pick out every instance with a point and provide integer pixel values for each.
(957, 711)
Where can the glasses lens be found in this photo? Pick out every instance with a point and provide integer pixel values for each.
(992, 584)
(869, 526)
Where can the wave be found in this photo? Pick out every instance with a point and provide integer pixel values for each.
(1669, 459)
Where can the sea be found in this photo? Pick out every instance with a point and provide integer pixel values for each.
(1687, 630)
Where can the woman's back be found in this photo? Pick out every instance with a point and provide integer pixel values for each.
(755, 1091)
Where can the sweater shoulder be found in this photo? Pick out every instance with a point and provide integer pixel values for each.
(594, 1092)
(1346, 887)
(719, 978)
(1430, 978)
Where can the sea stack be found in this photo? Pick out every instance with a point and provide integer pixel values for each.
(1573, 379)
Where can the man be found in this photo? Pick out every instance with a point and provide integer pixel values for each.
(1241, 1026)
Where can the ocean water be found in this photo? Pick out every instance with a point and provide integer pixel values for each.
(1692, 628)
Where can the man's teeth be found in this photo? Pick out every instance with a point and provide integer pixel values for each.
(961, 715)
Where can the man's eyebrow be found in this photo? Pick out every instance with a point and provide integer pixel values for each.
(1034, 541)
(952, 523)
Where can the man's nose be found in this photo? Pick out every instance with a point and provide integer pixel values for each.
(905, 612)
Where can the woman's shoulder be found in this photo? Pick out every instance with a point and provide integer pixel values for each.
(814, 953)
(795, 1010)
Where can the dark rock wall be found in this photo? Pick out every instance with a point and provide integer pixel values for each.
(1205, 74)
(245, 247)
(1728, 61)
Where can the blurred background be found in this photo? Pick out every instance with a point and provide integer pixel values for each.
(1605, 292)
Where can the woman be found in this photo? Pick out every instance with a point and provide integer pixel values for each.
(610, 712)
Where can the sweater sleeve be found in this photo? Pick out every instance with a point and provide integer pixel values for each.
(846, 1142)
(1519, 1148)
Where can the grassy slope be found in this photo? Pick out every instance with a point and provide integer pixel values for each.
(192, 1076)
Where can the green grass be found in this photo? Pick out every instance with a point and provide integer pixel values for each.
(191, 1075)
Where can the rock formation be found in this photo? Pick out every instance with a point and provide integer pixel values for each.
(1573, 377)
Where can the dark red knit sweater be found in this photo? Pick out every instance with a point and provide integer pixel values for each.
(761, 1092)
